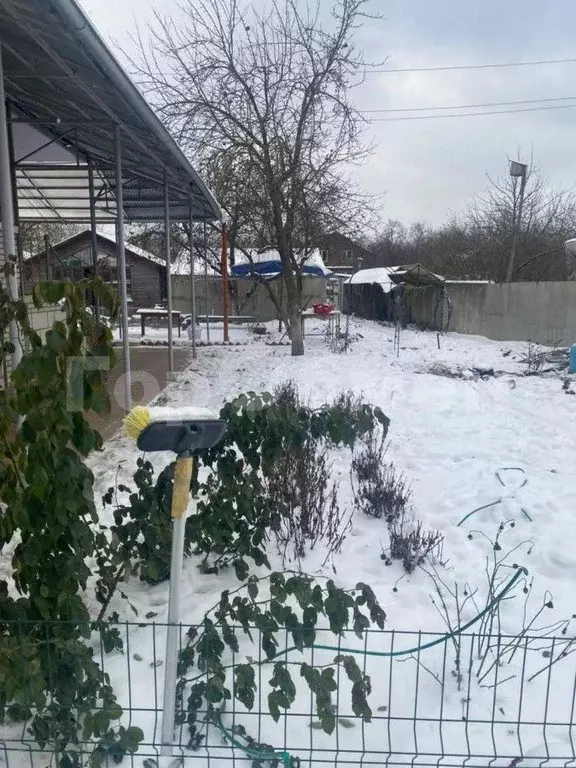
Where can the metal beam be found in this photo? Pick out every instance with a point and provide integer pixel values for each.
(206, 289)
(7, 214)
(168, 275)
(121, 269)
(192, 285)
(19, 247)
(93, 235)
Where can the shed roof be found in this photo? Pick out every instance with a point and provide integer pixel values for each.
(86, 235)
(389, 277)
(67, 92)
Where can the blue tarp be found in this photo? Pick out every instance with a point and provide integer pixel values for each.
(269, 268)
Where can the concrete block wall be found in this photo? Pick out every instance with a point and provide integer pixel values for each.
(245, 300)
(43, 319)
(541, 312)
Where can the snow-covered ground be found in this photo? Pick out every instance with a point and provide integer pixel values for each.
(449, 436)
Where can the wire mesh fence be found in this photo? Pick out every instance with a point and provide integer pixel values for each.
(472, 700)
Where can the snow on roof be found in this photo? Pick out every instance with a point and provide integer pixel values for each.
(313, 259)
(377, 275)
(181, 266)
(388, 277)
(110, 236)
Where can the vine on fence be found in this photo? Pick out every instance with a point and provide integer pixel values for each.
(293, 602)
(47, 674)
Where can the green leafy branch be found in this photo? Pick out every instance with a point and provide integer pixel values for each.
(294, 604)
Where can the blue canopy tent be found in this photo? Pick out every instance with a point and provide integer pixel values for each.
(265, 267)
(272, 268)
(267, 263)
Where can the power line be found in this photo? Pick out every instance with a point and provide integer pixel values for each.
(473, 66)
(470, 106)
(468, 114)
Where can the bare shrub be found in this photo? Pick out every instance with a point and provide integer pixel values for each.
(540, 359)
(490, 660)
(412, 544)
(380, 491)
(287, 396)
(307, 504)
(441, 369)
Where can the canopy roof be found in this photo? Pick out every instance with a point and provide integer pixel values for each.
(67, 92)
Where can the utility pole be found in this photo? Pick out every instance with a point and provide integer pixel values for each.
(517, 170)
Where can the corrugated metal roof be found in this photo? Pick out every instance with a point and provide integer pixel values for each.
(67, 92)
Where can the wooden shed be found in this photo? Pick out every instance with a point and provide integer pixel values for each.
(72, 259)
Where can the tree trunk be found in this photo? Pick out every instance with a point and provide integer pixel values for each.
(296, 335)
(293, 310)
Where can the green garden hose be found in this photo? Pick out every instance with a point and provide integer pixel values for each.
(510, 584)
(499, 501)
(258, 754)
(292, 762)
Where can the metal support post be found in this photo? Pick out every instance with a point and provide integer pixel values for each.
(94, 235)
(517, 229)
(19, 247)
(192, 285)
(206, 283)
(7, 213)
(121, 267)
(225, 310)
(168, 274)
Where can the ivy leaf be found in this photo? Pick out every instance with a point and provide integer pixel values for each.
(245, 685)
(283, 680)
(88, 729)
(241, 569)
(253, 587)
(361, 687)
(328, 723)
(269, 644)
(132, 738)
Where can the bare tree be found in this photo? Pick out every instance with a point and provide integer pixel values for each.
(476, 244)
(548, 219)
(263, 90)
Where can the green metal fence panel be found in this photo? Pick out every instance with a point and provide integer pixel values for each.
(473, 701)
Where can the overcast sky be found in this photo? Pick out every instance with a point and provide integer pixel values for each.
(431, 168)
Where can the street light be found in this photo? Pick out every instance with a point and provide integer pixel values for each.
(517, 171)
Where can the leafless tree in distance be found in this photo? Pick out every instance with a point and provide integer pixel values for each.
(476, 244)
(548, 218)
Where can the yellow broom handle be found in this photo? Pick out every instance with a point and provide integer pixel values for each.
(181, 487)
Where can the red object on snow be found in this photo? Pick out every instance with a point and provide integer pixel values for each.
(323, 309)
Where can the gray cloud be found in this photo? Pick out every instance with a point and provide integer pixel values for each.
(431, 168)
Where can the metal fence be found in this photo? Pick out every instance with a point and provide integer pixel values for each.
(473, 701)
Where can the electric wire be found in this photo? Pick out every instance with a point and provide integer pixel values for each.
(459, 67)
(468, 114)
(542, 100)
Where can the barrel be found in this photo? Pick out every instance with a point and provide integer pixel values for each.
(572, 358)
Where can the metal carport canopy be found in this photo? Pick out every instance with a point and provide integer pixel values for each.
(64, 85)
